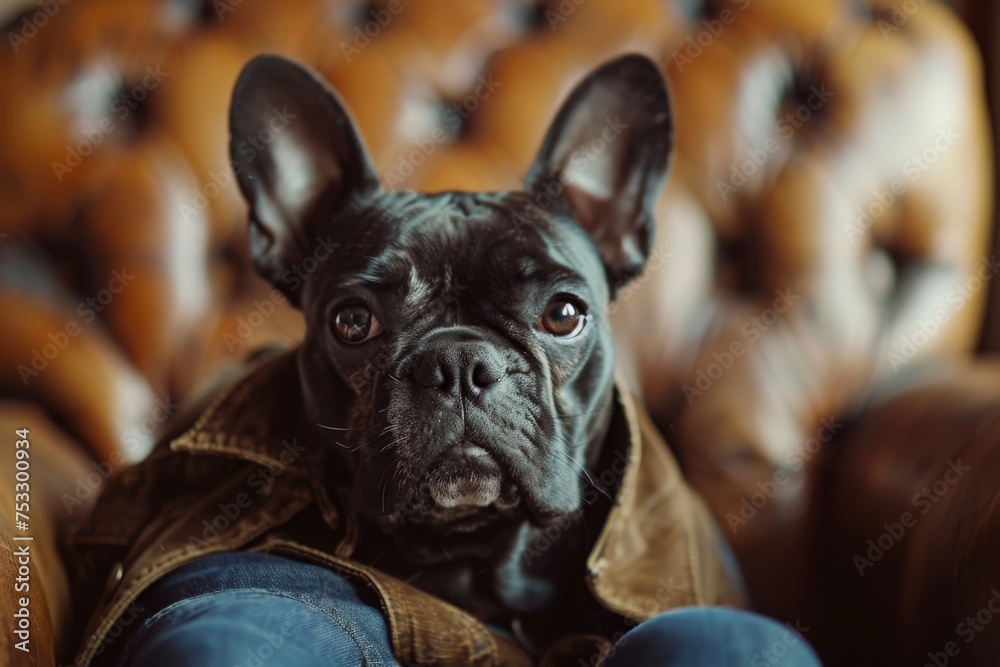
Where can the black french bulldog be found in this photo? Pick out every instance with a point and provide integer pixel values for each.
(475, 319)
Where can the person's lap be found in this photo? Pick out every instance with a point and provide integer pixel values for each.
(257, 609)
(239, 609)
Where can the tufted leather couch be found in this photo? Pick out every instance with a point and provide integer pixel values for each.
(801, 335)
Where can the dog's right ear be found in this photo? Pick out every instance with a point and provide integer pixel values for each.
(297, 158)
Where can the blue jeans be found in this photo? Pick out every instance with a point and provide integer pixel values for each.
(257, 610)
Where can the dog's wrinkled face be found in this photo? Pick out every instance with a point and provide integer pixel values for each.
(477, 354)
(455, 342)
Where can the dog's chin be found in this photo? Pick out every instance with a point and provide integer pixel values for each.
(462, 491)
(467, 477)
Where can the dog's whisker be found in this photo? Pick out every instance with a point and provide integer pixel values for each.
(384, 488)
(591, 481)
(595, 411)
(402, 381)
(382, 451)
(586, 474)
(447, 555)
(333, 428)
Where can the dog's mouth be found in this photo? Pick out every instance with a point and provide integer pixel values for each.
(463, 490)
(464, 477)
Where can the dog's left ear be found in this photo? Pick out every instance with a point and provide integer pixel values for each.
(605, 157)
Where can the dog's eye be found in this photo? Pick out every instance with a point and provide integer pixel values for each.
(356, 324)
(562, 317)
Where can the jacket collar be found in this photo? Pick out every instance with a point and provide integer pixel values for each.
(258, 419)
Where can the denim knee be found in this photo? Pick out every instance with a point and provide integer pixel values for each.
(255, 610)
(240, 629)
(720, 637)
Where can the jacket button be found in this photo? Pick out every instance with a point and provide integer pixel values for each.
(114, 576)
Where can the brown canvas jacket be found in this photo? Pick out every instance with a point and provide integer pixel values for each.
(241, 478)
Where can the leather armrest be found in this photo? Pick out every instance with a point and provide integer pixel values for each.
(914, 526)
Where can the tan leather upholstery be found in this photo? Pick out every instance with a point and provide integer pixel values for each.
(788, 280)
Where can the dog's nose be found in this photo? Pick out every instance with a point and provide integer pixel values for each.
(458, 370)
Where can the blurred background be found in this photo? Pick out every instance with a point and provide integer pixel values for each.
(813, 332)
